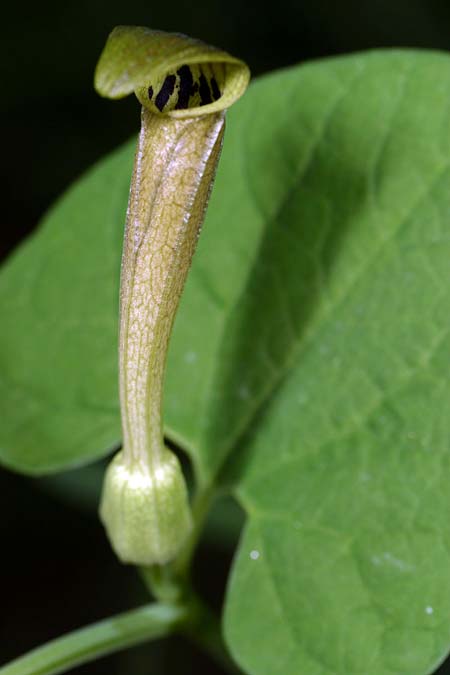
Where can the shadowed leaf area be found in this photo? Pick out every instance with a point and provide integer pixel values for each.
(308, 369)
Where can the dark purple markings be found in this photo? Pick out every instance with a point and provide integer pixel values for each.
(186, 87)
(205, 94)
(165, 92)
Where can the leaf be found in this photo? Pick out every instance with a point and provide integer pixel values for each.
(58, 307)
(307, 367)
(342, 341)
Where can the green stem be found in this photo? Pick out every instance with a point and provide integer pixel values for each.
(205, 631)
(171, 583)
(105, 637)
(203, 627)
(200, 509)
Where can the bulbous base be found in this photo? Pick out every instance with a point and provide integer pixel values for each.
(146, 513)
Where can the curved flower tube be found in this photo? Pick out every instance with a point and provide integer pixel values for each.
(184, 87)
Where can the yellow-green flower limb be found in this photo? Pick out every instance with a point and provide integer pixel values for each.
(171, 74)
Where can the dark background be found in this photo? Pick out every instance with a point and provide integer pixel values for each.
(57, 569)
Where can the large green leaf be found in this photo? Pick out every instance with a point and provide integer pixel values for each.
(307, 366)
(342, 339)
